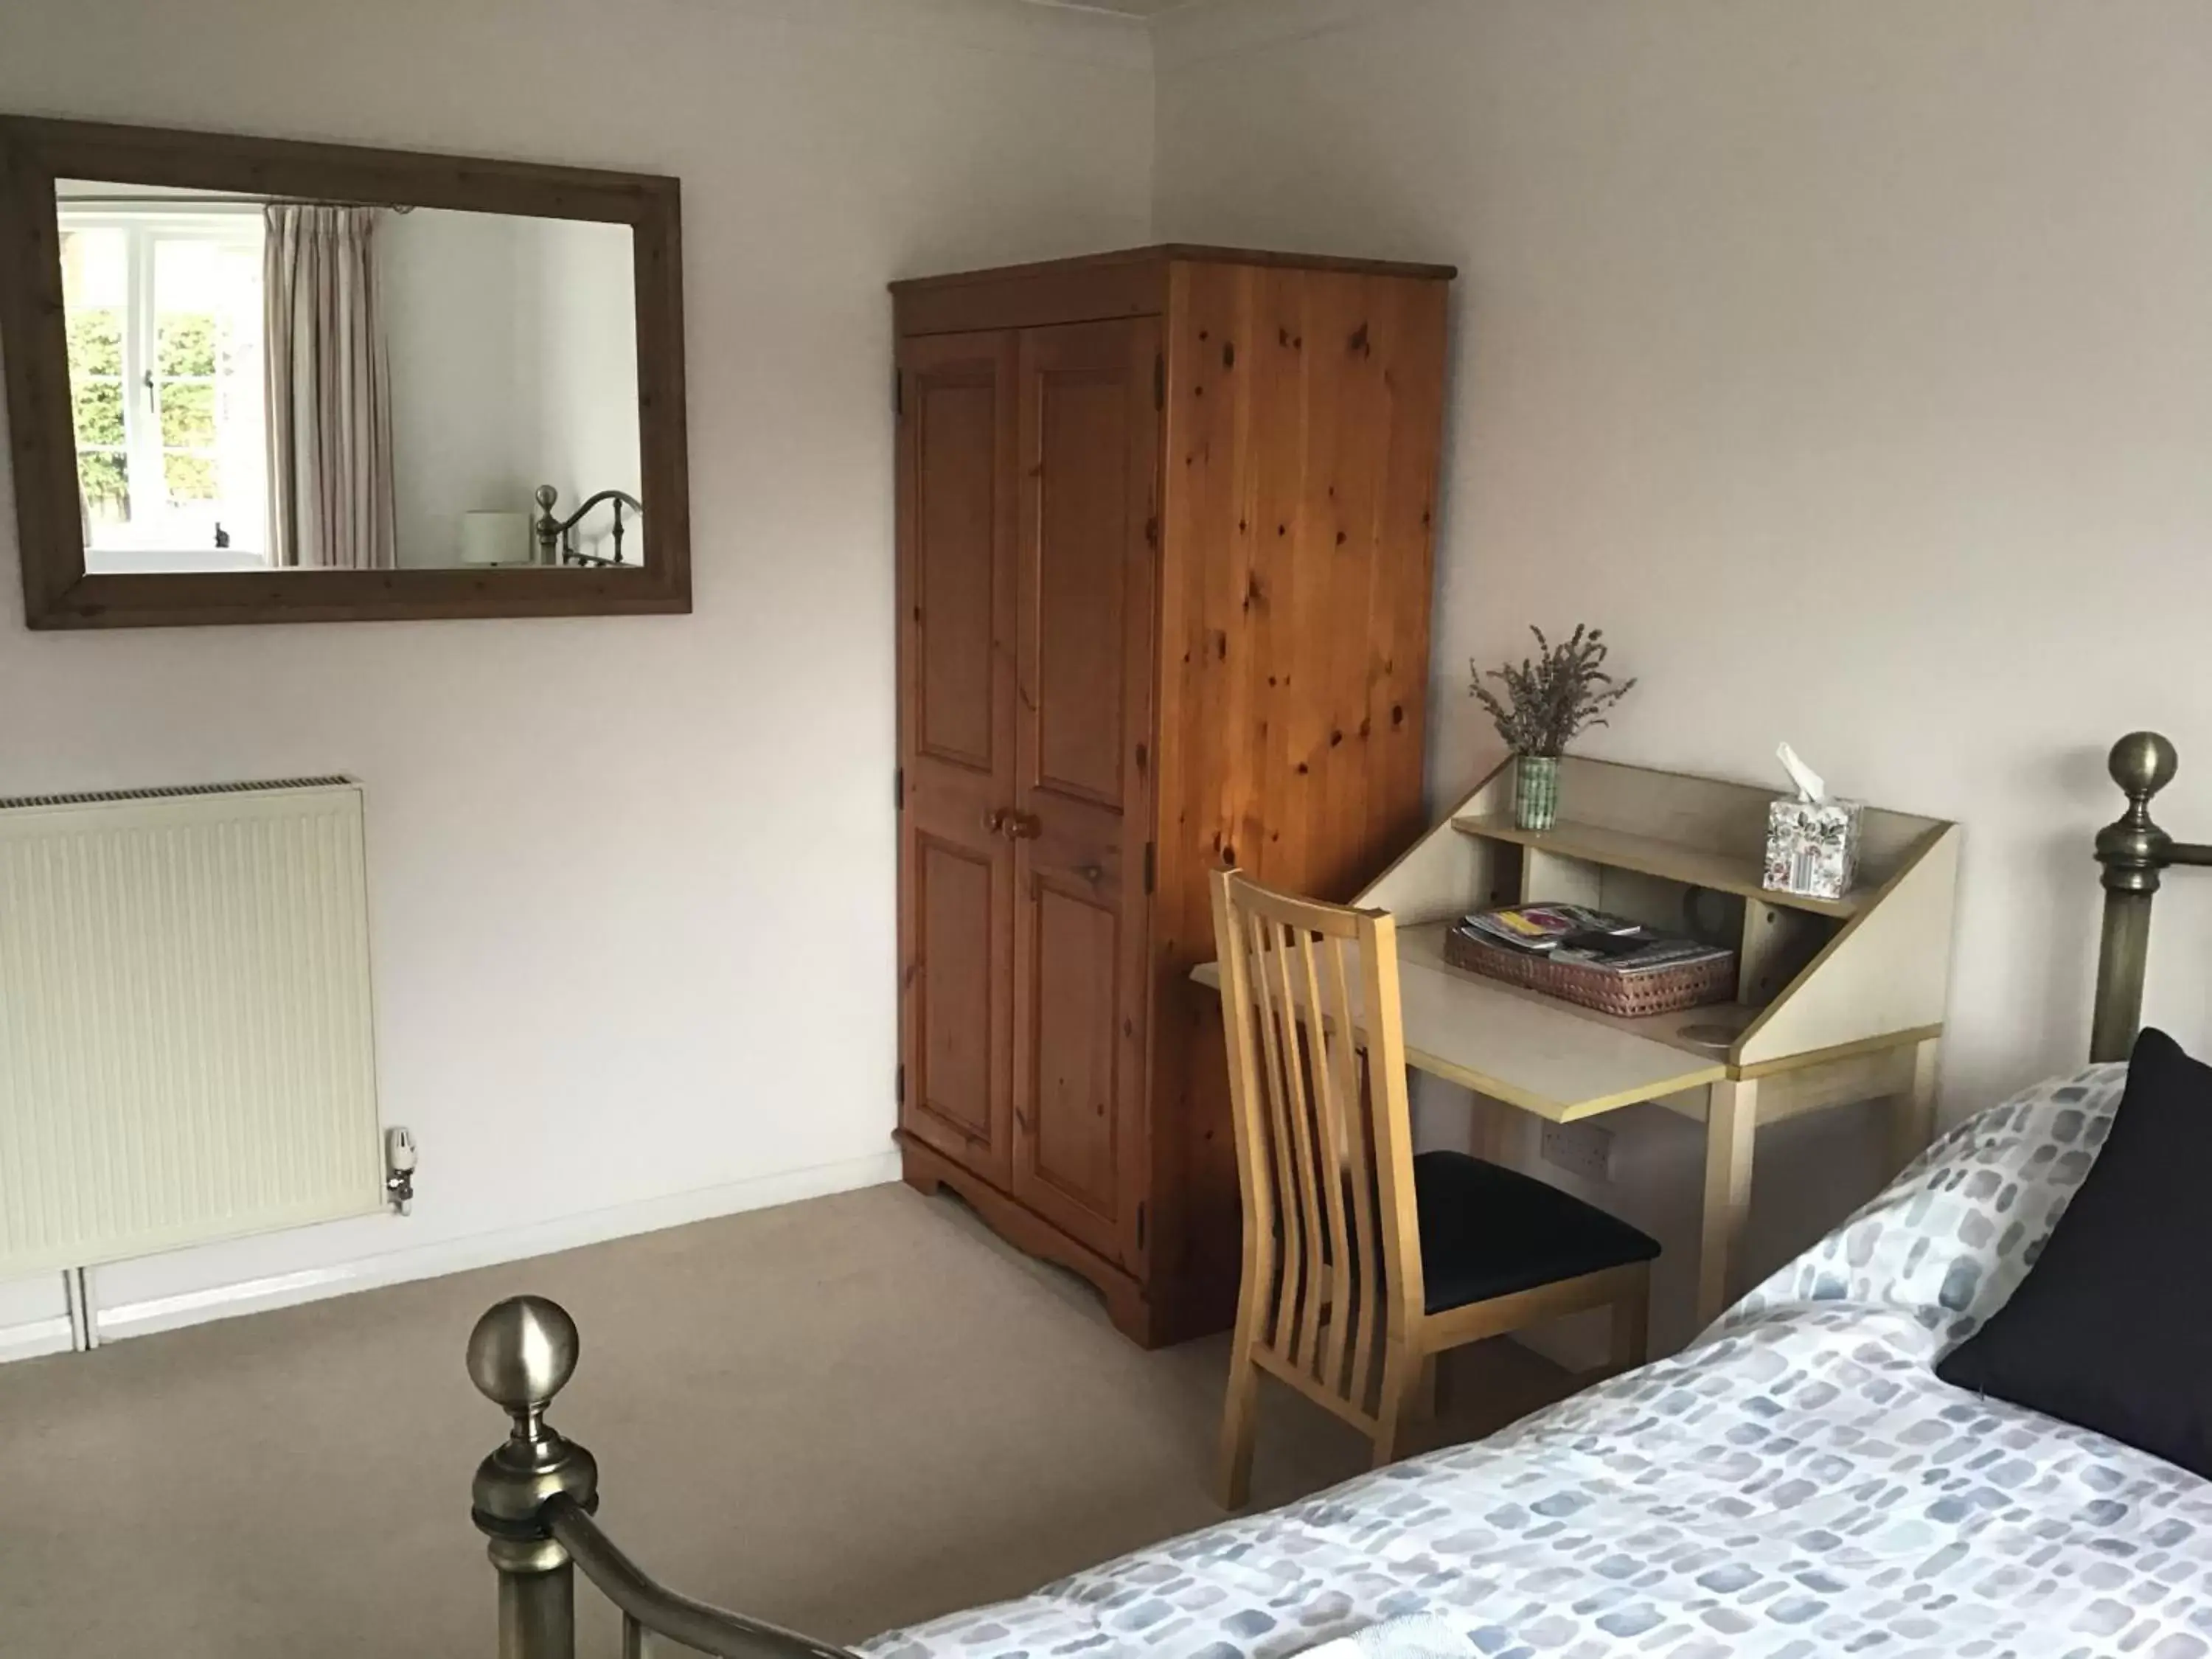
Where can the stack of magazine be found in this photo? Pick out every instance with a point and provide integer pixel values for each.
(1573, 933)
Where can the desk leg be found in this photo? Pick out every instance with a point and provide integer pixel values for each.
(1912, 1114)
(1731, 1122)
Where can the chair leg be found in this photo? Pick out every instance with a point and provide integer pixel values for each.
(1632, 1327)
(1239, 1425)
(1400, 1380)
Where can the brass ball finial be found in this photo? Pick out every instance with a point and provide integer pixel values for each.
(2142, 763)
(523, 1352)
(546, 496)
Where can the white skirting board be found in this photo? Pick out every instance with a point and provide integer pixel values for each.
(399, 1266)
(39, 1336)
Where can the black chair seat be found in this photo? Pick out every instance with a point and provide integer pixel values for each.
(1487, 1231)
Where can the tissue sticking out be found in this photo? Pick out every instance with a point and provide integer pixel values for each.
(1810, 788)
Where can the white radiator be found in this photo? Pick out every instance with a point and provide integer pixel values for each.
(184, 1037)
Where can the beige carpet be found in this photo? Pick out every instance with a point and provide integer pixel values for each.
(842, 1415)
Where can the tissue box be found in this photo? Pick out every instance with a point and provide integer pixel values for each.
(1812, 848)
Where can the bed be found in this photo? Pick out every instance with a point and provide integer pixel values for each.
(1796, 1483)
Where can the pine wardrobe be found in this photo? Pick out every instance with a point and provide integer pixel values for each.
(1164, 585)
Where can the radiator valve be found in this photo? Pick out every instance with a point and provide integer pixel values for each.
(399, 1170)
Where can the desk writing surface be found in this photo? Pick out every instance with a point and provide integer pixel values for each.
(1543, 1056)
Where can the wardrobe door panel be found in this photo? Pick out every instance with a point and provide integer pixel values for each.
(955, 570)
(1083, 586)
(956, 586)
(1088, 539)
(1074, 943)
(959, 915)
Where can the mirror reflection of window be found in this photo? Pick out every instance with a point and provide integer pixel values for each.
(164, 320)
(269, 384)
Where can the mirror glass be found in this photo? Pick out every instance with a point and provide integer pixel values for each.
(263, 384)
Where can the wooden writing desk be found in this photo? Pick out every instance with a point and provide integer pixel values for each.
(1837, 1001)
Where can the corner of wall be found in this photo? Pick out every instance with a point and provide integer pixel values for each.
(1219, 29)
(1199, 32)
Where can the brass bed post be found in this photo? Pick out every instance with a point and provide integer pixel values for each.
(534, 1498)
(2133, 851)
(521, 1354)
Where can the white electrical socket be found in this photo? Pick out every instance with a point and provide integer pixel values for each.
(1580, 1149)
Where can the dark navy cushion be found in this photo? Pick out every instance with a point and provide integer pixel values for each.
(2111, 1329)
(1486, 1232)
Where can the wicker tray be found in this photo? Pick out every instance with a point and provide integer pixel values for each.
(1660, 990)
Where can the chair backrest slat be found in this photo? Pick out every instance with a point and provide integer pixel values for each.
(1394, 1134)
(1272, 1164)
(1312, 1243)
(1351, 1086)
(1263, 1206)
(1328, 1035)
(1317, 1061)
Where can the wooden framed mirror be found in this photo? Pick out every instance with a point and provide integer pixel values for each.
(258, 380)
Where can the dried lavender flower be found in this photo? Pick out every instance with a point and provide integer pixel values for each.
(1552, 698)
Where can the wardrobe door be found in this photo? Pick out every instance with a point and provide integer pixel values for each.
(956, 587)
(1088, 539)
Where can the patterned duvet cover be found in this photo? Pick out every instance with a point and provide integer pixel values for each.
(1795, 1484)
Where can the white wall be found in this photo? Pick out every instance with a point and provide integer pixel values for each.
(513, 346)
(631, 879)
(583, 318)
(1849, 362)
(462, 424)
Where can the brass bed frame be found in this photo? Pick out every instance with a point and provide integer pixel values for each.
(535, 1496)
(2135, 852)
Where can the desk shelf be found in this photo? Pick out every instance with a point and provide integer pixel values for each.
(1818, 976)
(1623, 850)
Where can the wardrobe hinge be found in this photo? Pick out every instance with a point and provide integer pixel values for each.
(1151, 863)
(1159, 380)
(901, 1083)
(898, 392)
(898, 788)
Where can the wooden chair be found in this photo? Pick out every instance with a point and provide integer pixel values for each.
(1363, 1261)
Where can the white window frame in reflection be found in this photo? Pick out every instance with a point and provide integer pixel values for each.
(159, 536)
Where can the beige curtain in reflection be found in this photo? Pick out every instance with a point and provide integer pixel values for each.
(330, 503)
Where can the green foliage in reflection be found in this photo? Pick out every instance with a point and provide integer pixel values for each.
(99, 408)
(96, 362)
(190, 477)
(188, 415)
(95, 359)
(95, 341)
(107, 492)
(187, 343)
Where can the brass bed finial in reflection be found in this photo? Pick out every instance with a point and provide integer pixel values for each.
(2134, 850)
(556, 538)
